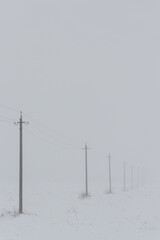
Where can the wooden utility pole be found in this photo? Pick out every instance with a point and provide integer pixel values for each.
(124, 177)
(132, 177)
(86, 168)
(21, 162)
(109, 169)
(138, 182)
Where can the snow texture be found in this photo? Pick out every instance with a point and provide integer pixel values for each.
(54, 212)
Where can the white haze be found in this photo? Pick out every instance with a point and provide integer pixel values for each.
(88, 70)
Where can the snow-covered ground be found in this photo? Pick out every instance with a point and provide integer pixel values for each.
(57, 211)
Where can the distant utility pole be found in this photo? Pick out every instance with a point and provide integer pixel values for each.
(109, 168)
(21, 162)
(132, 177)
(138, 182)
(86, 168)
(124, 177)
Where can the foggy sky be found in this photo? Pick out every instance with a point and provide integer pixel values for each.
(88, 70)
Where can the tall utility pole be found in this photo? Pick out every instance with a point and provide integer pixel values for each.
(109, 168)
(132, 177)
(124, 177)
(21, 162)
(86, 168)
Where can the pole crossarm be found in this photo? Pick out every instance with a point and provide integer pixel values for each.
(20, 121)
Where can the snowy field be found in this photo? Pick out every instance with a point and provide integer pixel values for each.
(54, 212)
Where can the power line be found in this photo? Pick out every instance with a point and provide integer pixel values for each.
(9, 108)
(44, 129)
(35, 126)
(39, 137)
(45, 132)
(6, 121)
(62, 142)
(54, 138)
(48, 131)
(7, 118)
(43, 139)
